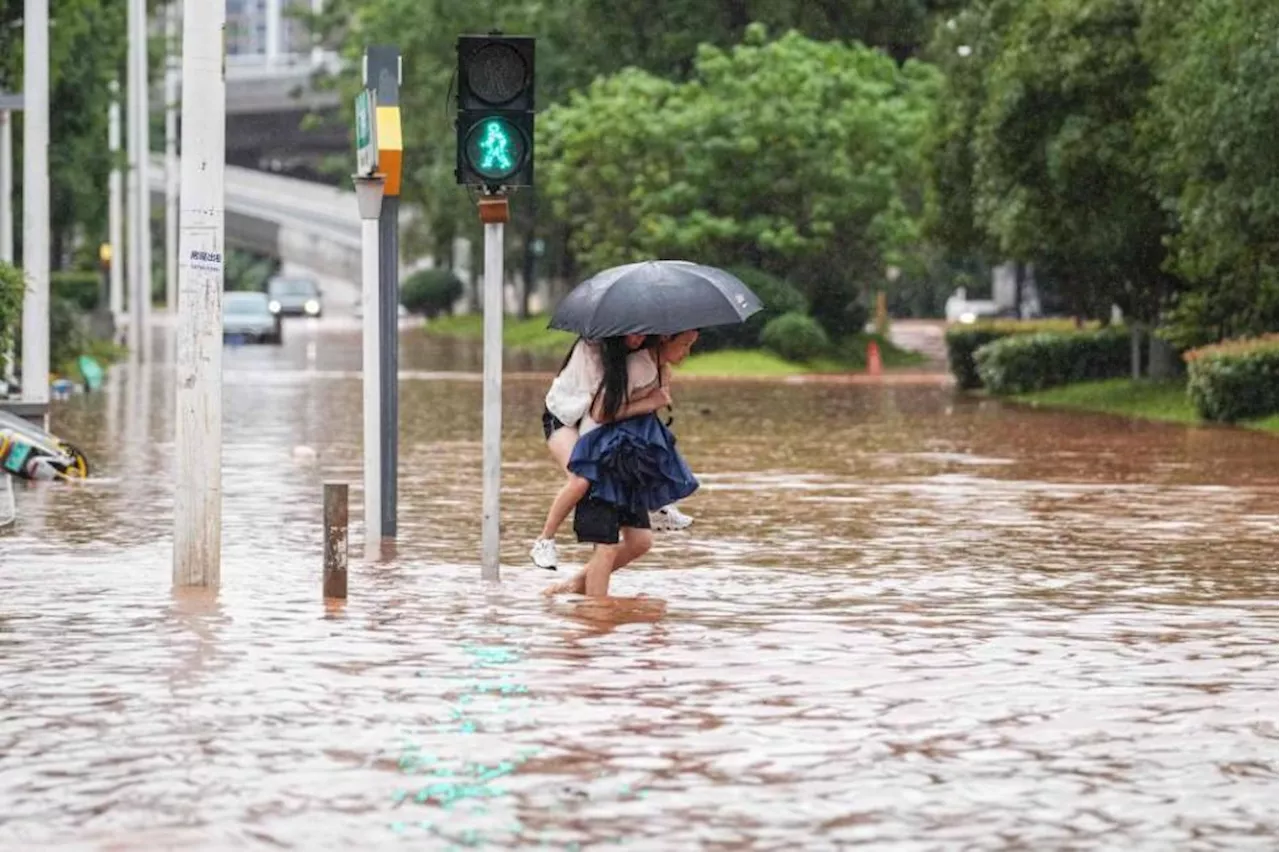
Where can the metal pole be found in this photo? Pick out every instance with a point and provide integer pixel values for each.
(142, 117)
(35, 202)
(6, 220)
(369, 198)
(171, 177)
(6, 186)
(389, 370)
(492, 434)
(115, 220)
(336, 513)
(197, 511)
(134, 253)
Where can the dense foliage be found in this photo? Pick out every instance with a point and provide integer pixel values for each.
(964, 340)
(1022, 363)
(1235, 380)
(430, 292)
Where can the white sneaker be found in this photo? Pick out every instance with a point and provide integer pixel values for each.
(544, 553)
(669, 519)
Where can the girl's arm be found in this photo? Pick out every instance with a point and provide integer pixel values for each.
(656, 398)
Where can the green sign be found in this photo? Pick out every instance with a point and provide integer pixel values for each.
(496, 149)
(366, 133)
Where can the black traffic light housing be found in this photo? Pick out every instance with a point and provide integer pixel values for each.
(494, 122)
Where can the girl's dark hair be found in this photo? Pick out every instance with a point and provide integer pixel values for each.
(613, 356)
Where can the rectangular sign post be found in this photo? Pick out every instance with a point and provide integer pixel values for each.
(382, 75)
(369, 193)
(35, 203)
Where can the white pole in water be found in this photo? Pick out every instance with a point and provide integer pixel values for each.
(133, 254)
(369, 191)
(172, 66)
(142, 126)
(6, 186)
(197, 511)
(115, 213)
(6, 220)
(35, 202)
(494, 213)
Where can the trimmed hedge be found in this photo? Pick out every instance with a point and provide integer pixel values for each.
(431, 291)
(796, 337)
(1234, 380)
(1029, 362)
(82, 289)
(964, 340)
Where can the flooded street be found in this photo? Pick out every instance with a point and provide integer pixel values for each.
(902, 618)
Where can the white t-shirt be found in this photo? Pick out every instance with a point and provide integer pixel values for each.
(573, 391)
(642, 376)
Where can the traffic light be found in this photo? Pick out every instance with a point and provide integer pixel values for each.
(494, 124)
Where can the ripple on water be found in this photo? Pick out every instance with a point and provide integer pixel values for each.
(898, 621)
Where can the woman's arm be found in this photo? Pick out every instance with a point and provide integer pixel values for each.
(657, 398)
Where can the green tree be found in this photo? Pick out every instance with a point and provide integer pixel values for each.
(1059, 172)
(797, 157)
(87, 50)
(1212, 142)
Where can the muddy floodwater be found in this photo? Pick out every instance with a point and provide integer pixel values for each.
(902, 618)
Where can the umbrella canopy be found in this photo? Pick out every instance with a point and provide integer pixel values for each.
(654, 297)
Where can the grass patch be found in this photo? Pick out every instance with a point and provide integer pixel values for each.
(1164, 401)
(532, 335)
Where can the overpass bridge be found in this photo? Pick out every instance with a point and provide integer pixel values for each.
(268, 98)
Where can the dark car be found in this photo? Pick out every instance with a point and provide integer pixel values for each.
(294, 297)
(247, 316)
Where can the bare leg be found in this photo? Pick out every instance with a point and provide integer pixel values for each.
(560, 445)
(635, 543)
(571, 493)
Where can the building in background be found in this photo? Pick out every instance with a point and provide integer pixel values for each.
(265, 31)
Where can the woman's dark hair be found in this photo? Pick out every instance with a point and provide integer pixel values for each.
(613, 356)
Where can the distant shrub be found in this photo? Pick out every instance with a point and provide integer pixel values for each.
(430, 291)
(796, 337)
(964, 340)
(1027, 362)
(1234, 380)
(82, 288)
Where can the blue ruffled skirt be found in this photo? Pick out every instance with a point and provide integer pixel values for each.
(633, 464)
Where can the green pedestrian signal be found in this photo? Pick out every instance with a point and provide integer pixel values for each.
(495, 149)
(495, 114)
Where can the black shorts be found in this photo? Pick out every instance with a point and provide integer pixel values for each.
(598, 522)
(550, 423)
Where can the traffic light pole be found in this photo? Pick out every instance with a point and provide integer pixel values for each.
(494, 213)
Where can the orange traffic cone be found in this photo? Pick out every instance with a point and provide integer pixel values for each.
(873, 358)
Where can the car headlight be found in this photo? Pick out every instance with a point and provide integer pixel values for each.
(312, 306)
(273, 306)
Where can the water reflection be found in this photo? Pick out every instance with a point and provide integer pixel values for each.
(902, 618)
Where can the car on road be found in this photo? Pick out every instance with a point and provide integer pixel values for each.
(247, 316)
(294, 296)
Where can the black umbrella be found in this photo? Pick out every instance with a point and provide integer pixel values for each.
(654, 297)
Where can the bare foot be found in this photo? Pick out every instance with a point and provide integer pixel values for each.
(575, 586)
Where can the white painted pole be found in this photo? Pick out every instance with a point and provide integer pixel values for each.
(172, 68)
(115, 215)
(369, 192)
(35, 202)
(133, 253)
(6, 221)
(491, 472)
(6, 186)
(272, 47)
(142, 119)
(197, 511)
